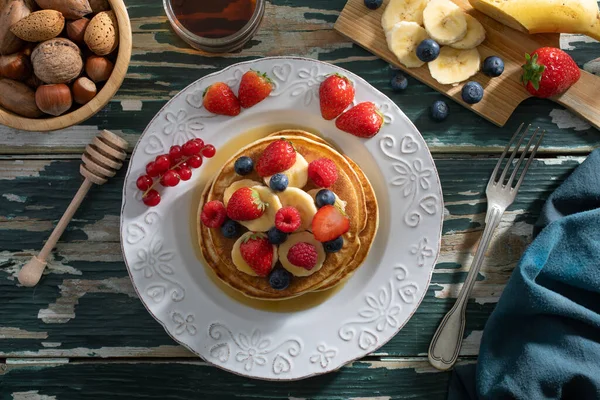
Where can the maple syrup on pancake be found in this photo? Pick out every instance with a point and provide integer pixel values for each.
(207, 172)
(214, 19)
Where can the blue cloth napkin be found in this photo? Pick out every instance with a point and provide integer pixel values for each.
(543, 339)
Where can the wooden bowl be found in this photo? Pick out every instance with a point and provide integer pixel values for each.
(97, 103)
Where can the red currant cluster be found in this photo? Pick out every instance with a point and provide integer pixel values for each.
(170, 169)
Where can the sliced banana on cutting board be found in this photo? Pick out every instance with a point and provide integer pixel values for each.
(444, 21)
(302, 237)
(403, 40)
(302, 201)
(238, 260)
(403, 10)
(454, 65)
(474, 37)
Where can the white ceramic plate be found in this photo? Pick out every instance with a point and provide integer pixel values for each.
(160, 252)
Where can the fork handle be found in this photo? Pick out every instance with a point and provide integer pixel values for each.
(445, 345)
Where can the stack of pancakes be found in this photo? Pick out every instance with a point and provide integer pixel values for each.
(352, 186)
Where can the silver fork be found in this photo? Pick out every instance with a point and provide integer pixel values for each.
(445, 345)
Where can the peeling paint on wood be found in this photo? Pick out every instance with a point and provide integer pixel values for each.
(31, 395)
(17, 333)
(566, 119)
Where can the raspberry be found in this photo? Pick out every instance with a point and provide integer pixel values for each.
(288, 219)
(323, 172)
(213, 214)
(303, 255)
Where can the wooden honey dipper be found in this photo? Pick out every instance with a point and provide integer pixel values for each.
(101, 160)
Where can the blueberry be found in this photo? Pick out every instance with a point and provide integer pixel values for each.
(428, 50)
(231, 229)
(472, 92)
(243, 165)
(373, 4)
(493, 66)
(279, 279)
(279, 182)
(439, 110)
(335, 245)
(275, 236)
(324, 197)
(399, 82)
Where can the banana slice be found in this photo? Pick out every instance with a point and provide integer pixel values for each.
(238, 260)
(297, 174)
(474, 37)
(444, 21)
(403, 10)
(303, 202)
(403, 39)
(267, 220)
(238, 185)
(453, 65)
(302, 237)
(339, 202)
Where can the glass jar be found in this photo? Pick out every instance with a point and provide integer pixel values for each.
(216, 26)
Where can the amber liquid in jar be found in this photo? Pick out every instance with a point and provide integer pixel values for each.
(213, 19)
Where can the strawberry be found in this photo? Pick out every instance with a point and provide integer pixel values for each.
(258, 253)
(336, 93)
(213, 214)
(323, 172)
(303, 255)
(329, 223)
(363, 120)
(245, 205)
(288, 219)
(549, 71)
(218, 98)
(254, 88)
(277, 157)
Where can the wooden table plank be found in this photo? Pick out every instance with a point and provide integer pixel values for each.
(85, 306)
(162, 64)
(403, 379)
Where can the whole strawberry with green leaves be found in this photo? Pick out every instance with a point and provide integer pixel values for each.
(258, 253)
(549, 72)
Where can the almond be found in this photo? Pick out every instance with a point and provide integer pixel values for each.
(39, 26)
(99, 5)
(11, 11)
(71, 9)
(102, 33)
(18, 98)
(57, 60)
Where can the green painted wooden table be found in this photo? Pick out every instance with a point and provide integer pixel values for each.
(83, 333)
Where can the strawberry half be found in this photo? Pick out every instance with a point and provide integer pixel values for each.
(254, 88)
(218, 98)
(245, 205)
(336, 93)
(329, 223)
(363, 120)
(549, 71)
(258, 253)
(277, 157)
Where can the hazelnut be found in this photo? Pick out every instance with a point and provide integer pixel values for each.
(33, 82)
(57, 61)
(76, 29)
(84, 90)
(98, 68)
(53, 99)
(15, 66)
(18, 98)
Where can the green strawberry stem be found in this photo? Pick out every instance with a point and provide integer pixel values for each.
(532, 71)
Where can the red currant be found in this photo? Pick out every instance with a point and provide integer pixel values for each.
(152, 198)
(162, 164)
(144, 182)
(200, 142)
(195, 161)
(151, 169)
(170, 178)
(209, 151)
(185, 173)
(183, 164)
(190, 148)
(175, 154)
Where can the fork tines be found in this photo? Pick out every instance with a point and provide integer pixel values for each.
(518, 138)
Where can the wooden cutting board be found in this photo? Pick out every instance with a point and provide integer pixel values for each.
(502, 94)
